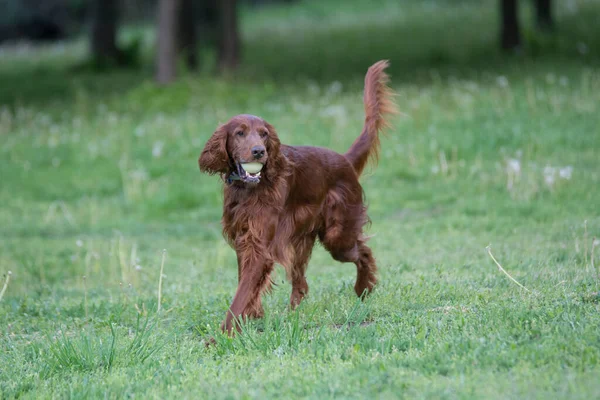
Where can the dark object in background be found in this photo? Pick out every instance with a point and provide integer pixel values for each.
(104, 17)
(166, 52)
(198, 26)
(510, 36)
(229, 39)
(40, 29)
(544, 18)
(187, 38)
(36, 20)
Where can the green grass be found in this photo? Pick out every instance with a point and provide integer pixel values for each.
(99, 175)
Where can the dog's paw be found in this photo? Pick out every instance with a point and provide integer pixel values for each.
(208, 342)
(364, 288)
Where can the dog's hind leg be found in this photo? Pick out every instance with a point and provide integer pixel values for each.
(342, 236)
(366, 270)
(359, 254)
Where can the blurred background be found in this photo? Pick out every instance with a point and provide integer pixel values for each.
(283, 39)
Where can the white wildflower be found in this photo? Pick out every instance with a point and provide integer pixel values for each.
(513, 166)
(513, 170)
(79, 242)
(157, 149)
(566, 172)
(335, 87)
(502, 81)
(549, 175)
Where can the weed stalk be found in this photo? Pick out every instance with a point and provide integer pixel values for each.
(7, 279)
(160, 278)
(85, 302)
(489, 250)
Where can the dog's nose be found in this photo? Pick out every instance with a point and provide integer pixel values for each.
(258, 152)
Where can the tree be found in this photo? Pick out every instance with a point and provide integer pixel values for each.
(166, 61)
(544, 18)
(510, 36)
(104, 31)
(188, 37)
(178, 24)
(229, 40)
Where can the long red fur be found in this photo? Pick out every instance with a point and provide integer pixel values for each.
(305, 193)
(379, 103)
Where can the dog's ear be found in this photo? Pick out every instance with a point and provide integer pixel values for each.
(214, 158)
(277, 161)
(273, 143)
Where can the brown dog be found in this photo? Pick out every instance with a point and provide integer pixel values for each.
(278, 199)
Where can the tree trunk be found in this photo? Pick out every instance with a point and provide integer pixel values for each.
(166, 58)
(510, 35)
(104, 31)
(229, 40)
(544, 19)
(188, 38)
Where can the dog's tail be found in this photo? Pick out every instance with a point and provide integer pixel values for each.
(379, 105)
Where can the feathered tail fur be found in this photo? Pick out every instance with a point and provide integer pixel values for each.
(379, 105)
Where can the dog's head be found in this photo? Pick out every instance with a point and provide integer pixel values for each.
(243, 148)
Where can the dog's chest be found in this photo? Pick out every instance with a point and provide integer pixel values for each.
(255, 220)
(269, 223)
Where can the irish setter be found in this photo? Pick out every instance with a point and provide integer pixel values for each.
(278, 199)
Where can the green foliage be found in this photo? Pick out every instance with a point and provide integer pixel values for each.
(90, 351)
(82, 354)
(99, 175)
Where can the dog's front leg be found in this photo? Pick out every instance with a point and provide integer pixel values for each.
(254, 278)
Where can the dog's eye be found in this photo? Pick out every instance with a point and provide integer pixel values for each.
(263, 134)
(240, 133)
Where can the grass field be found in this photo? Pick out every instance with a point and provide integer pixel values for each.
(99, 175)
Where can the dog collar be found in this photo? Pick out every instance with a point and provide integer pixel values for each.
(232, 177)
